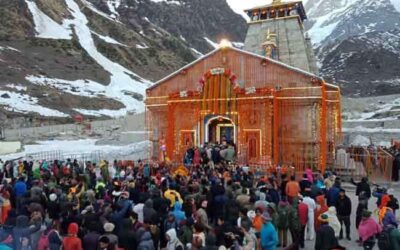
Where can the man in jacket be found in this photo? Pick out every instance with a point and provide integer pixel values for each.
(22, 231)
(343, 208)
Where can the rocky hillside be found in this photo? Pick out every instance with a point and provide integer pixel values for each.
(357, 43)
(59, 58)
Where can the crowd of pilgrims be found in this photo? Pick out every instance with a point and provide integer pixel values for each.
(145, 206)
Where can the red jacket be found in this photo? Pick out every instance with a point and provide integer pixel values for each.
(303, 213)
(72, 242)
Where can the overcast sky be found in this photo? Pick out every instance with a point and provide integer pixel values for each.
(239, 5)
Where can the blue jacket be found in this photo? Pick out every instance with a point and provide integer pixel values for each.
(20, 188)
(269, 237)
(389, 219)
(332, 196)
(178, 213)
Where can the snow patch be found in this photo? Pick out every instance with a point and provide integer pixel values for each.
(142, 46)
(182, 38)
(113, 6)
(23, 103)
(372, 130)
(198, 53)
(108, 39)
(46, 27)
(167, 1)
(9, 48)
(361, 141)
(97, 11)
(74, 148)
(396, 4)
(213, 44)
(17, 87)
(121, 78)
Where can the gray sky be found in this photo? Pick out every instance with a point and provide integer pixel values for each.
(239, 5)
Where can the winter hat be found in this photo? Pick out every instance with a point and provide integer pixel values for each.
(251, 214)
(53, 197)
(323, 218)
(73, 229)
(108, 227)
(366, 214)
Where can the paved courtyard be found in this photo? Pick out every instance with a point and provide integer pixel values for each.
(350, 191)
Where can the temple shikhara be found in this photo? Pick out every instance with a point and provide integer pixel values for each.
(266, 99)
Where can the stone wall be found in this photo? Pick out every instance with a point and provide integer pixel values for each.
(292, 45)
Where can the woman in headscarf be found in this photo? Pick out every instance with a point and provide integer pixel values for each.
(173, 241)
(367, 230)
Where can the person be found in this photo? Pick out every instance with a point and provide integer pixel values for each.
(362, 205)
(104, 243)
(144, 239)
(325, 237)
(127, 235)
(268, 235)
(333, 193)
(292, 189)
(91, 237)
(334, 221)
(295, 224)
(305, 183)
(258, 221)
(387, 217)
(343, 208)
(303, 216)
(199, 238)
(173, 242)
(309, 233)
(320, 209)
(22, 231)
(363, 188)
(283, 222)
(249, 239)
(368, 229)
(108, 232)
(395, 239)
(201, 215)
(72, 242)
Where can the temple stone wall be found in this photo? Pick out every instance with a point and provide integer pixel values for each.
(293, 48)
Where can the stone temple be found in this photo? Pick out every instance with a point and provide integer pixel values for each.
(266, 100)
(277, 31)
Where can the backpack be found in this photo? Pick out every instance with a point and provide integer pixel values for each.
(384, 239)
(43, 243)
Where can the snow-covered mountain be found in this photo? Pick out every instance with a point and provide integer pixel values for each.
(59, 58)
(357, 43)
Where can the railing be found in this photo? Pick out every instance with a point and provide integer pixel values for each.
(376, 164)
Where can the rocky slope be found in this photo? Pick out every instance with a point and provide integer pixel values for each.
(59, 58)
(357, 43)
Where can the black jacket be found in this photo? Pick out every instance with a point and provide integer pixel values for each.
(343, 206)
(363, 186)
(326, 239)
(127, 236)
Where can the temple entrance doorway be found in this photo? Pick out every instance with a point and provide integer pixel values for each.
(220, 129)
